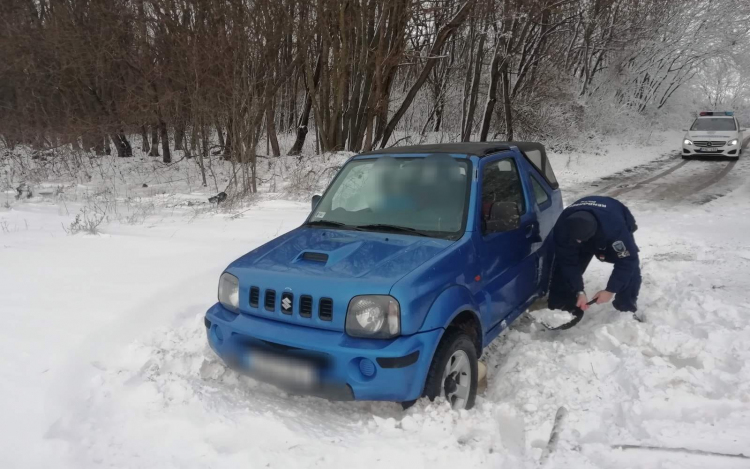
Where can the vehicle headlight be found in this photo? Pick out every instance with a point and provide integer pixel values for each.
(687, 141)
(733, 142)
(229, 291)
(373, 316)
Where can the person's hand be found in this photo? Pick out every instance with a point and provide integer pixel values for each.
(581, 303)
(603, 296)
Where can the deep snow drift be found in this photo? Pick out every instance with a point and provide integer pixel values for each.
(105, 361)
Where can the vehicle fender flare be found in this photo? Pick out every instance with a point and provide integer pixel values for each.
(451, 302)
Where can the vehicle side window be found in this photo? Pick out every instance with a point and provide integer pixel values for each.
(501, 183)
(539, 193)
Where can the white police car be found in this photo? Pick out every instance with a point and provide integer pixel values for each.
(713, 133)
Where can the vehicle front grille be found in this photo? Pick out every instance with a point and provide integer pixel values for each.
(254, 296)
(306, 303)
(270, 300)
(325, 309)
(305, 306)
(704, 143)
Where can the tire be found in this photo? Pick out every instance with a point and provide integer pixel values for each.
(448, 372)
(407, 404)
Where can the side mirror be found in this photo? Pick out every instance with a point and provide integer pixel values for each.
(315, 200)
(685, 130)
(504, 216)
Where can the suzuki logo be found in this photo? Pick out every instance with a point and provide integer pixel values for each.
(286, 302)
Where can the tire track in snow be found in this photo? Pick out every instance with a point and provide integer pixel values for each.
(624, 190)
(717, 177)
(627, 176)
(729, 168)
(678, 186)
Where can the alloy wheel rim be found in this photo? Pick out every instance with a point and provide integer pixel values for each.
(457, 380)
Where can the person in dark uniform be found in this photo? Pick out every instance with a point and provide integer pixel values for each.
(601, 227)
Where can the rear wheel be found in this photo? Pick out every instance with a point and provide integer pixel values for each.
(453, 372)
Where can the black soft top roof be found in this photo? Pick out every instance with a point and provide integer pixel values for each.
(464, 148)
(533, 151)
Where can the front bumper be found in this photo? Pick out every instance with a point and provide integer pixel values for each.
(393, 370)
(726, 150)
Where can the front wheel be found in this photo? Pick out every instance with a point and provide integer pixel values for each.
(453, 372)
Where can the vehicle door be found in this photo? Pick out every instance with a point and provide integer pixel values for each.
(508, 232)
(546, 216)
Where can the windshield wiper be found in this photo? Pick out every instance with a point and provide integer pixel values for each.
(392, 228)
(325, 223)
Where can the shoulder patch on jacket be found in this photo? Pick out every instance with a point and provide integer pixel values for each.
(620, 249)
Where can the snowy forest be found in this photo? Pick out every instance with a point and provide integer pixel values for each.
(249, 78)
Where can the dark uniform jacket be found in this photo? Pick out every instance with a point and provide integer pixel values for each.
(613, 242)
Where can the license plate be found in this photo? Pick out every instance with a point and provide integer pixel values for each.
(708, 150)
(282, 370)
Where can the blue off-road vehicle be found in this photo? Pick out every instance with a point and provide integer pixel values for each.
(412, 262)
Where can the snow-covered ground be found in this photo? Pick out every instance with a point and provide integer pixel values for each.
(105, 363)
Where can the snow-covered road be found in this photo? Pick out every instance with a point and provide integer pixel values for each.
(105, 362)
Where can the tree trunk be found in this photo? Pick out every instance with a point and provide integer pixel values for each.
(119, 147)
(220, 134)
(154, 141)
(304, 118)
(440, 106)
(100, 146)
(442, 36)
(489, 107)
(229, 140)
(469, 124)
(179, 136)
(144, 140)
(204, 154)
(506, 103)
(467, 80)
(166, 154)
(271, 128)
(190, 150)
(124, 150)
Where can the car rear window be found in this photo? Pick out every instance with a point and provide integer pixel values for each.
(713, 123)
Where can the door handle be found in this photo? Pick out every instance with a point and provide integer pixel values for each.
(530, 230)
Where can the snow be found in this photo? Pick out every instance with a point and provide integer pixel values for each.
(552, 318)
(106, 363)
(605, 157)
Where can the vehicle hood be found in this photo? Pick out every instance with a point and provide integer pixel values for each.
(713, 135)
(342, 254)
(335, 265)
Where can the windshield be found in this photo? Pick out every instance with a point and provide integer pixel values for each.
(713, 123)
(427, 195)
